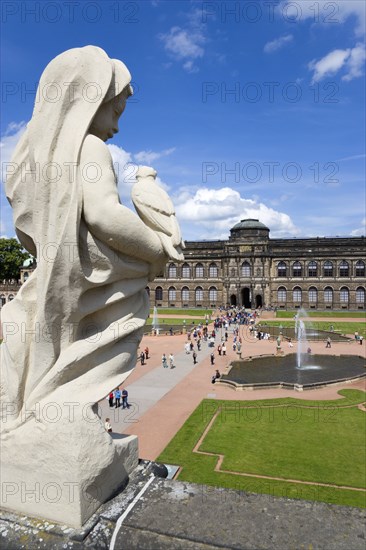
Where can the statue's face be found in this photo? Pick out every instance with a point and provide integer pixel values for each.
(105, 122)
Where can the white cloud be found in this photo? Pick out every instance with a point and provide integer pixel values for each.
(325, 12)
(278, 43)
(125, 169)
(361, 230)
(8, 143)
(355, 63)
(329, 64)
(186, 44)
(352, 60)
(150, 156)
(11, 136)
(214, 211)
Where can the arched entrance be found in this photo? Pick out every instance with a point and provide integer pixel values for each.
(233, 300)
(258, 301)
(245, 297)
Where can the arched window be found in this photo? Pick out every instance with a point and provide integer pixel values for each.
(25, 275)
(186, 271)
(199, 294)
(172, 271)
(281, 269)
(245, 269)
(360, 268)
(344, 295)
(344, 269)
(312, 269)
(2, 299)
(360, 295)
(172, 295)
(328, 295)
(313, 295)
(212, 294)
(185, 294)
(10, 297)
(199, 271)
(297, 294)
(296, 269)
(328, 269)
(212, 270)
(281, 294)
(158, 293)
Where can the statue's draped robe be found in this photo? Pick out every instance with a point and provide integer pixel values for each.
(76, 321)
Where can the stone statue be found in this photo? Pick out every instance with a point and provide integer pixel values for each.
(72, 332)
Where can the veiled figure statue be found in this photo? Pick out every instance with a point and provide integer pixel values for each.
(72, 332)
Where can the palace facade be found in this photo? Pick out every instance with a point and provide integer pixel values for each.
(252, 270)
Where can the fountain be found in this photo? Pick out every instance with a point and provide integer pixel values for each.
(300, 370)
(302, 343)
(155, 319)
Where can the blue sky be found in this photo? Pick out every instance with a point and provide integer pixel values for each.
(245, 109)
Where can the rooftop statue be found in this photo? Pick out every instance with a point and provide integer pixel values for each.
(72, 332)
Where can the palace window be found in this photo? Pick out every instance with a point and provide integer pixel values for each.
(199, 270)
(297, 269)
(313, 294)
(199, 294)
(360, 268)
(344, 269)
(328, 269)
(312, 269)
(158, 293)
(185, 294)
(213, 271)
(297, 294)
(245, 269)
(281, 269)
(344, 295)
(212, 294)
(172, 294)
(172, 271)
(10, 298)
(360, 295)
(328, 295)
(186, 271)
(2, 300)
(281, 294)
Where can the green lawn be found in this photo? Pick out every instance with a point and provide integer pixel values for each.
(342, 328)
(340, 314)
(184, 311)
(168, 321)
(316, 441)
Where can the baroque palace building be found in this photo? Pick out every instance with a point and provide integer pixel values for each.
(252, 270)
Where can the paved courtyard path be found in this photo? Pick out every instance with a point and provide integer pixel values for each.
(162, 399)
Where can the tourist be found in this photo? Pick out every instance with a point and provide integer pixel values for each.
(191, 346)
(147, 352)
(187, 347)
(199, 345)
(217, 374)
(329, 343)
(125, 404)
(117, 397)
(142, 358)
(219, 349)
(108, 425)
(309, 351)
(171, 361)
(361, 339)
(164, 361)
(194, 357)
(171, 331)
(224, 349)
(290, 344)
(212, 357)
(110, 397)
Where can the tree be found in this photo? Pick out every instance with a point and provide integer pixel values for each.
(12, 256)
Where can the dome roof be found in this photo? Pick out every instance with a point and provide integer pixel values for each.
(250, 224)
